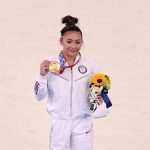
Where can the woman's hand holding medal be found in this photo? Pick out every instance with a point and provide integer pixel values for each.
(52, 66)
(44, 67)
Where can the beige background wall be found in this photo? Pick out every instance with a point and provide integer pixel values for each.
(116, 36)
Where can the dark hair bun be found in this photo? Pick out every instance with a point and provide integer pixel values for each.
(69, 20)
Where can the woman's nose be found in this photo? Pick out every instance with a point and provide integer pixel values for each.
(73, 45)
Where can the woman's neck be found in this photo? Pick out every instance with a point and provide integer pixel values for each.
(69, 59)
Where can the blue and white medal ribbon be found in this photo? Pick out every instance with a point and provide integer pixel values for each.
(62, 62)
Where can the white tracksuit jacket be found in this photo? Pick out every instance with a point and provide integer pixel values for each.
(67, 92)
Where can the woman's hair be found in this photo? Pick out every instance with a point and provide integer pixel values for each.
(70, 25)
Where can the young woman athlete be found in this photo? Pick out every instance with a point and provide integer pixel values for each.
(65, 78)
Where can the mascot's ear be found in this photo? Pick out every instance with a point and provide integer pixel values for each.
(91, 85)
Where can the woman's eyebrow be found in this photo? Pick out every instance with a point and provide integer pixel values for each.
(78, 40)
(75, 40)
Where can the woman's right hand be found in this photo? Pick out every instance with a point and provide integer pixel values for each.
(44, 67)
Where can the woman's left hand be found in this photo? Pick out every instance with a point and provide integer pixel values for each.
(99, 99)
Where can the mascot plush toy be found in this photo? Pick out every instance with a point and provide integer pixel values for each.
(99, 85)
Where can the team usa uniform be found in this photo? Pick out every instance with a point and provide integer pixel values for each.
(68, 104)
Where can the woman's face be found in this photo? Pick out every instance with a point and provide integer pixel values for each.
(71, 42)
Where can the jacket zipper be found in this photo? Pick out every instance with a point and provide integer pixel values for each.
(71, 93)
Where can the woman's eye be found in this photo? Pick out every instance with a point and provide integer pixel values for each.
(77, 42)
(69, 42)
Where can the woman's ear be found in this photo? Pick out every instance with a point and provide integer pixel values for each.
(61, 41)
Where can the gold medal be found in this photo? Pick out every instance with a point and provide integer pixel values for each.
(54, 67)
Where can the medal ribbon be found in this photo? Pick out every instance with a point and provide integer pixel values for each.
(62, 62)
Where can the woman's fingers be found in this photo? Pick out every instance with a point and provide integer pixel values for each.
(44, 67)
(100, 99)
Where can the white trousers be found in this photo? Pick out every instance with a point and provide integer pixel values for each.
(75, 134)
